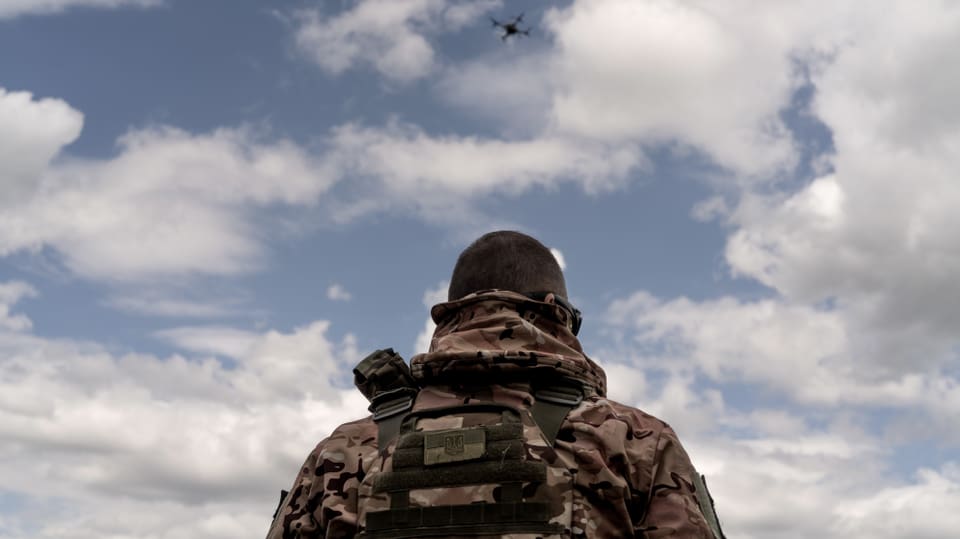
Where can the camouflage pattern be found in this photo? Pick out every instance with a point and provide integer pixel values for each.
(618, 471)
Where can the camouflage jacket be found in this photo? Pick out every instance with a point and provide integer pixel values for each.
(633, 478)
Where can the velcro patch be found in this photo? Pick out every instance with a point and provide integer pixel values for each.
(454, 445)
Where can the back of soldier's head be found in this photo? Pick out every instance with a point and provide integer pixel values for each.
(506, 260)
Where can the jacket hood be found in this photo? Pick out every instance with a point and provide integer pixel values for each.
(505, 336)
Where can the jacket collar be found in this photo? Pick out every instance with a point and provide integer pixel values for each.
(505, 336)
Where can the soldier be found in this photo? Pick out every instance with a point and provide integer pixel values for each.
(502, 429)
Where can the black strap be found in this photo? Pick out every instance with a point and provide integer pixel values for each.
(549, 410)
(283, 496)
(389, 410)
(551, 407)
(508, 413)
(707, 507)
(384, 378)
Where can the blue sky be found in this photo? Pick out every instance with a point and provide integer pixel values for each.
(210, 210)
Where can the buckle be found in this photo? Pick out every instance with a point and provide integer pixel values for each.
(391, 403)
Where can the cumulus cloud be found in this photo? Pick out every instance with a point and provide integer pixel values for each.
(438, 174)
(670, 71)
(171, 302)
(877, 235)
(924, 508)
(768, 342)
(32, 132)
(390, 36)
(220, 341)
(337, 292)
(785, 472)
(699, 77)
(859, 330)
(170, 202)
(506, 86)
(702, 77)
(273, 362)
(15, 8)
(709, 77)
(179, 446)
(431, 297)
(10, 293)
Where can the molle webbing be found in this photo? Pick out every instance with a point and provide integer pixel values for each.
(498, 461)
(495, 456)
(502, 441)
(463, 474)
(466, 519)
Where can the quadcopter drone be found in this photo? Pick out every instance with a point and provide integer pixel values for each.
(511, 28)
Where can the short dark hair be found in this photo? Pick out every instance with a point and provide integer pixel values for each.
(506, 260)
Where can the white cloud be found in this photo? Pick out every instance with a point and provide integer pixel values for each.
(792, 472)
(171, 304)
(711, 77)
(878, 235)
(172, 203)
(272, 362)
(625, 383)
(924, 509)
(440, 175)
(10, 293)
(505, 86)
(169, 203)
(768, 342)
(704, 75)
(216, 340)
(559, 256)
(31, 134)
(708, 77)
(389, 35)
(144, 446)
(15, 8)
(772, 343)
(861, 321)
(152, 520)
(337, 292)
(431, 297)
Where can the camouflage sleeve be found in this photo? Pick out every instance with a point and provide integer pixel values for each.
(675, 507)
(322, 503)
(293, 518)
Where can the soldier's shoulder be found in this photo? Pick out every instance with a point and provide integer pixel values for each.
(598, 410)
(358, 433)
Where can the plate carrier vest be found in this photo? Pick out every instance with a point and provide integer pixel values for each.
(501, 462)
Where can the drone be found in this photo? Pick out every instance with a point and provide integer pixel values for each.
(510, 28)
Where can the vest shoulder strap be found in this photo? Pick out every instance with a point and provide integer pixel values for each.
(389, 409)
(551, 406)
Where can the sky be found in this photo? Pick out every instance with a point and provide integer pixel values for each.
(210, 210)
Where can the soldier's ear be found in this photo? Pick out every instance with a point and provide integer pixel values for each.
(576, 319)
